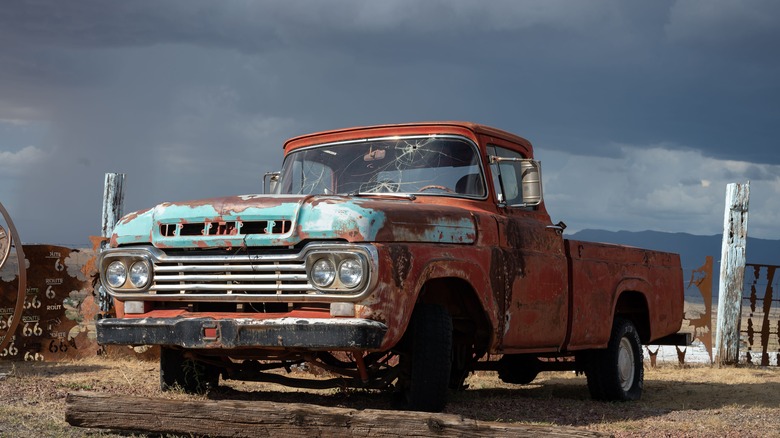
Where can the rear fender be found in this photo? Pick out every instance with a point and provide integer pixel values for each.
(631, 303)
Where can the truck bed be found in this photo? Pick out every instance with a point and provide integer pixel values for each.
(599, 273)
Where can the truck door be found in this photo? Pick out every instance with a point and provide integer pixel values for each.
(535, 267)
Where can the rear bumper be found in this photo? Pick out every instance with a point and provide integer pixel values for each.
(681, 339)
(210, 333)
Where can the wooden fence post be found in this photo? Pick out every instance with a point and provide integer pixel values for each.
(113, 201)
(732, 273)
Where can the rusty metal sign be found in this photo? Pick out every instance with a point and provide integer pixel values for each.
(55, 315)
(11, 305)
(702, 326)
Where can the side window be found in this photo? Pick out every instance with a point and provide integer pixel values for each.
(506, 176)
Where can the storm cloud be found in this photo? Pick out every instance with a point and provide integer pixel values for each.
(634, 100)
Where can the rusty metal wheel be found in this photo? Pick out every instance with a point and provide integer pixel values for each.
(10, 238)
(5, 245)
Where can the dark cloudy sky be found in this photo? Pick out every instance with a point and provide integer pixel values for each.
(641, 111)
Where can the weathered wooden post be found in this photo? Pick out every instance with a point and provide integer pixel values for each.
(113, 201)
(732, 273)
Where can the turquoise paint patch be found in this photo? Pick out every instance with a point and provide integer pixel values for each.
(174, 213)
(134, 228)
(311, 217)
(332, 218)
(275, 212)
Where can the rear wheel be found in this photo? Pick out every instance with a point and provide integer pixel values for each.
(191, 376)
(617, 373)
(430, 357)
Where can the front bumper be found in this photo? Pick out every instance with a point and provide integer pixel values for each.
(208, 333)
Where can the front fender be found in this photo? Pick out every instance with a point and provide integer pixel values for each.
(405, 269)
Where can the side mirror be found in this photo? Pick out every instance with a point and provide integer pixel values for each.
(531, 182)
(271, 182)
(518, 174)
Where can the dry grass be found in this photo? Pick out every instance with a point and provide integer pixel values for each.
(691, 401)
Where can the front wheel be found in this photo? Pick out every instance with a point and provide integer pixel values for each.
(617, 373)
(431, 358)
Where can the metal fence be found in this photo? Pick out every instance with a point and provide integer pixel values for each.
(760, 325)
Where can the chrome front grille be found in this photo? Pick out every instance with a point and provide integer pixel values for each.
(234, 276)
(231, 277)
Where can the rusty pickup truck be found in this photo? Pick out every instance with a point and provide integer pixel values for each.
(399, 257)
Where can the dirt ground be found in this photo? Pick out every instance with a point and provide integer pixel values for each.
(691, 401)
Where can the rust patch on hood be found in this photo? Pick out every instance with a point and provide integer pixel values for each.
(418, 222)
(238, 204)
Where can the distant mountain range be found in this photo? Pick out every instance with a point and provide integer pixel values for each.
(692, 248)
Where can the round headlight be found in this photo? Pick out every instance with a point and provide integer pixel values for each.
(116, 274)
(351, 273)
(323, 273)
(139, 274)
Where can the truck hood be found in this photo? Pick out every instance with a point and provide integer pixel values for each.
(273, 220)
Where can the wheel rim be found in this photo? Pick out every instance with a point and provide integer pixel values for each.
(626, 364)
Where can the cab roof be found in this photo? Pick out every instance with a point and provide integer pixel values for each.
(468, 129)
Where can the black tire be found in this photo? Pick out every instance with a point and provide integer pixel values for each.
(431, 358)
(191, 376)
(617, 373)
(518, 369)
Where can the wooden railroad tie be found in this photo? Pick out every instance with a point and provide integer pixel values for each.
(236, 418)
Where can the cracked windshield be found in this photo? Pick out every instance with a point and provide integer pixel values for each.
(420, 165)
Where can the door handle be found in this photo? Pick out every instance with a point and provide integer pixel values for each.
(559, 227)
